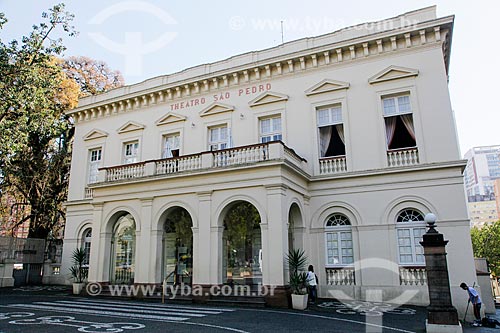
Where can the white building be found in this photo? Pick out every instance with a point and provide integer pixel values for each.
(483, 167)
(337, 144)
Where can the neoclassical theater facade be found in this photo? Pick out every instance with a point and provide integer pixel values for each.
(337, 145)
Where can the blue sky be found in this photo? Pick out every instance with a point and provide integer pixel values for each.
(175, 35)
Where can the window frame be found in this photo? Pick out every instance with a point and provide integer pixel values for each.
(91, 164)
(273, 134)
(396, 99)
(124, 151)
(338, 230)
(219, 142)
(330, 123)
(164, 143)
(412, 226)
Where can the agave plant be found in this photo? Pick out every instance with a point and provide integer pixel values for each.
(296, 264)
(78, 272)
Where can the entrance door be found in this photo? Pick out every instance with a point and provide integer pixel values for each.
(178, 248)
(242, 246)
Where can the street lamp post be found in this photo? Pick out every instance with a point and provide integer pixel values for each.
(442, 315)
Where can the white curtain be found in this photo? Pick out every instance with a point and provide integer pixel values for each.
(325, 134)
(340, 131)
(408, 122)
(229, 138)
(390, 128)
(167, 151)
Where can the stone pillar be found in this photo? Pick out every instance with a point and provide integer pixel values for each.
(442, 315)
(97, 257)
(6, 271)
(203, 253)
(275, 245)
(144, 273)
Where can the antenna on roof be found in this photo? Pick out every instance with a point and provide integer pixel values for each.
(282, 42)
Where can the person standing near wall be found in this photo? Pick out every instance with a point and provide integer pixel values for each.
(312, 283)
(475, 300)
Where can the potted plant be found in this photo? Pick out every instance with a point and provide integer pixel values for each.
(296, 263)
(78, 271)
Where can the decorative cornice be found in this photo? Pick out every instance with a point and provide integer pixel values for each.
(216, 108)
(94, 134)
(170, 118)
(129, 127)
(268, 97)
(430, 33)
(326, 86)
(393, 73)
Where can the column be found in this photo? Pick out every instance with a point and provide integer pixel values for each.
(442, 315)
(143, 270)
(205, 254)
(97, 261)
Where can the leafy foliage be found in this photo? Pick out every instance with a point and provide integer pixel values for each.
(78, 272)
(486, 244)
(35, 144)
(92, 76)
(35, 133)
(297, 260)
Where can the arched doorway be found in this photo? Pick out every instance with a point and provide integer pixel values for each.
(123, 250)
(294, 227)
(242, 245)
(177, 247)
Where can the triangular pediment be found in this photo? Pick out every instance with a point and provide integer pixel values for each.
(130, 126)
(268, 97)
(327, 85)
(216, 108)
(95, 134)
(170, 118)
(393, 73)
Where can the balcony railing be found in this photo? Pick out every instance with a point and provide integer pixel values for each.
(343, 276)
(89, 193)
(332, 165)
(238, 156)
(412, 276)
(402, 157)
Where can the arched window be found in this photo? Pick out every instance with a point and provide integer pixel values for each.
(86, 241)
(338, 237)
(410, 227)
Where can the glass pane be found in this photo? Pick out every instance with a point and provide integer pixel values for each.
(404, 104)
(389, 106)
(348, 260)
(223, 133)
(276, 124)
(214, 134)
(265, 126)
(403, 232)
(336, 115)
(323, 117)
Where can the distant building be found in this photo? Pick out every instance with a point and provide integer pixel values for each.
(483, 169)
(482, 212)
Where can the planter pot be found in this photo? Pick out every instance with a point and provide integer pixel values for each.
(77, 288)
(299, 302)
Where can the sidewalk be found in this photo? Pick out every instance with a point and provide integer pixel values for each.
(470, 329)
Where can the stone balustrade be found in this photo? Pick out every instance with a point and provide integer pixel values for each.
(231, 157)
(332, 165)
(342, 276)
(412, 276)
(402, 157)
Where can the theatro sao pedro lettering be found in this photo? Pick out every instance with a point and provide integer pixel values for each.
(220, 97)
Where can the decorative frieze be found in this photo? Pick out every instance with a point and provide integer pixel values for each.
(317, 59)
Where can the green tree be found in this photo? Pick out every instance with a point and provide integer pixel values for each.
(486, 244)
(38, 86)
